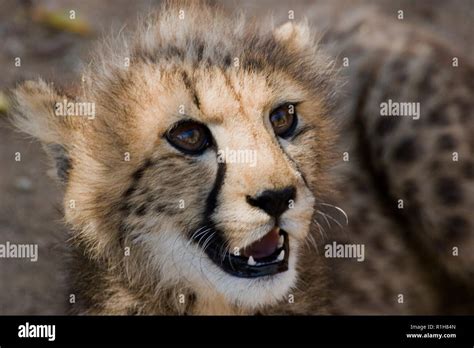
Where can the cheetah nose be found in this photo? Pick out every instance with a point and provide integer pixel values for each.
(273, 202)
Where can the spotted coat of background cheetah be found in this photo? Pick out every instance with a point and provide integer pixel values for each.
(152, 217)
(427, 163)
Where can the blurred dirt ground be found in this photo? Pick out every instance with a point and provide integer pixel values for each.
(30, 202)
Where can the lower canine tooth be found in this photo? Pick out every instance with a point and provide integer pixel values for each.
(281, 241)
(251, 261)
(281, 256)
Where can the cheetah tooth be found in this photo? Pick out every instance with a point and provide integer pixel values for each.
(281, 256)
(251, 261)
(281, 241)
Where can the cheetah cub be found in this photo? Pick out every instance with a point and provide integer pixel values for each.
(192, 189)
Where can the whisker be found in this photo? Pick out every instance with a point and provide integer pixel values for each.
(322, 232)
(195, 234)
(330, 217)
(325, 218)
(311, 243)
(207, 242)
(224, 249)
(338, 209)
(203, 235)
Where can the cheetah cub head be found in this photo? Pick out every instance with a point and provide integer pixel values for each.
(209, 143)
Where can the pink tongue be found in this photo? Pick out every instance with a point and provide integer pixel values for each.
(263, 247)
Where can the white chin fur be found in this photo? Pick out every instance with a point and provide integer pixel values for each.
(181, 262)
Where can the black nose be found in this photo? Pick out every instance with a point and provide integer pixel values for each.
(273, 202)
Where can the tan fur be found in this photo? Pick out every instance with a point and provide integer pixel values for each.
(175, 62)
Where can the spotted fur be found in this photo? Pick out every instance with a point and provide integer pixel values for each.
(420, 250)
(131, 239)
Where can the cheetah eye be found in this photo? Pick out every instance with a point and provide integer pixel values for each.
(284, 120)
(189, 137)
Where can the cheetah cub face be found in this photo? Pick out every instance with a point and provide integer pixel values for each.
(205, 156)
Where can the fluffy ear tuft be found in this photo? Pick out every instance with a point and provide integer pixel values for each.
(297, 36)
(33, 112)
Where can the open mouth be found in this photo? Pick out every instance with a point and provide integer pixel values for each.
(264, 257)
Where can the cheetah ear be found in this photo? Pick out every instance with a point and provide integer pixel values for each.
(295, 36)
(33, 112)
